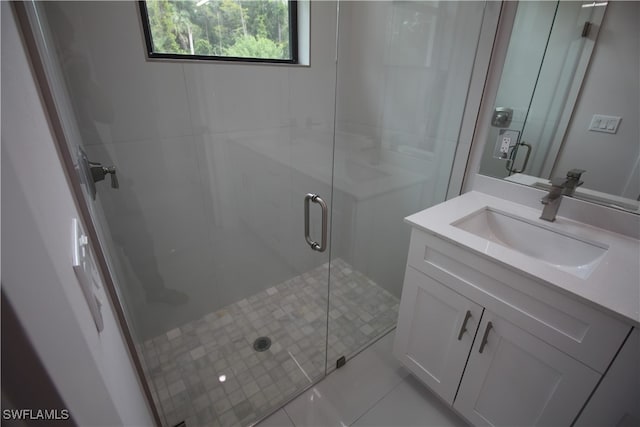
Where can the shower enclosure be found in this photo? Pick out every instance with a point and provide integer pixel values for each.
(223, 174)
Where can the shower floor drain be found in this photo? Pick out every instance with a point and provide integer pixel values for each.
(262, 344)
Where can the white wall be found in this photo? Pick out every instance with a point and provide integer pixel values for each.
(92, 372)
(611, 87)
(171, 129)
(215, 158)
(397, 65)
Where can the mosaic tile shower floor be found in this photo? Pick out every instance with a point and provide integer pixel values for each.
(207, 373)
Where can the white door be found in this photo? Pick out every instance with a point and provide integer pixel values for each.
(435, 332)
(513, 378)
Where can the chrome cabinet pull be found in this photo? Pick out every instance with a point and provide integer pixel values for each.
(463, 329)
(486, 335)
(320, 247)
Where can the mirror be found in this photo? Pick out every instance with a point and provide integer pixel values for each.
(569, 99)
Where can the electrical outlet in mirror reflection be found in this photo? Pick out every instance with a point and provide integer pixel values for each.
(507, 139)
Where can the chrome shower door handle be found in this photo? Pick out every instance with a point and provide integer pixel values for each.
(511, 161)
(322, 246)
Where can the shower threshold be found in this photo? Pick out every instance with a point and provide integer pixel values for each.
(207, 371)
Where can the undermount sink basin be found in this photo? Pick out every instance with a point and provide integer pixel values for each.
(561, 250)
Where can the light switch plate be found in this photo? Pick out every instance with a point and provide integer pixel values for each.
(606, 124)
(86, 273)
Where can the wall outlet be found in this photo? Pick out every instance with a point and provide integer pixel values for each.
(507, 139)
(607, 124)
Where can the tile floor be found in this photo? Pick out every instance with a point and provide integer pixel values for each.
(206, 372)
(352, 396)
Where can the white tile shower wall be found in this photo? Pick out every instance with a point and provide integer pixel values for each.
(200, 146)
(227, 98)
(159, 179)
(395, 66)
(107, 69)
(170, 129)
(401, 95)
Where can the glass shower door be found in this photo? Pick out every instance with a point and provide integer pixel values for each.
(232, 310)
(404, 70)
(205, 234)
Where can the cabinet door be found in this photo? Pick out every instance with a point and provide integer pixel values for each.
(520, 380)
(435, 332)
(616, 402)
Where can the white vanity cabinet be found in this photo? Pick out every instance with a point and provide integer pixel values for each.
(529, 355)
(514, 378)
(435, 332)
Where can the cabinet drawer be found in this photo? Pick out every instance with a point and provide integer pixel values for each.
(574, 327)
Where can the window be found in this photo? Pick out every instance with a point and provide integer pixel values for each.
(231, 30)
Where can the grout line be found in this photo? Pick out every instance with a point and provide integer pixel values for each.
(334, 372)
(284, 409)
(300, 367)
(339, 281)
(398, 384)
(371, 344)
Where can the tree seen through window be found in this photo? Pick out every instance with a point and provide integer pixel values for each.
(246, 29)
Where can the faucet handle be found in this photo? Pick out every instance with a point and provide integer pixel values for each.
(575, 174)
(573, 181)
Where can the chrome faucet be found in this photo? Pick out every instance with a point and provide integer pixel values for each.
(573, 181)
(552, 200)
(559, 187)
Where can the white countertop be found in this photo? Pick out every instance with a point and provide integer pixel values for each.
(614, 284)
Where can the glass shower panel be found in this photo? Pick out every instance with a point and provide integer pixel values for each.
(403, 75)
(225, 298)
